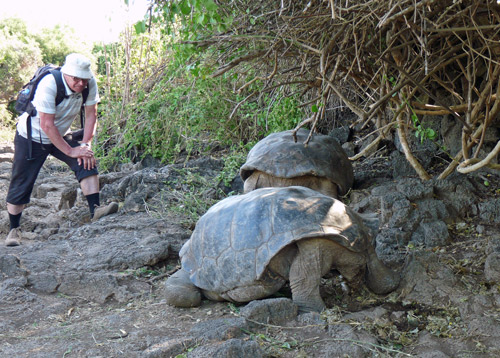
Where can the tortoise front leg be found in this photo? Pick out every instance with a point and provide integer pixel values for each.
(305, 275)
(180, 291)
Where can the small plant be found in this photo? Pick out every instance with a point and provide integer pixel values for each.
(273, 345)
(145, 272)
(184, 355)
(189, 196)
(68, 351)
(422, 132)
(233, 308)
(233, 163)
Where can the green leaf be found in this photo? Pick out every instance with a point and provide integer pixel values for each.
(185, 8)
(314, 108)
(414, 118)
(431, 133)
(210, 5)
(140, 27)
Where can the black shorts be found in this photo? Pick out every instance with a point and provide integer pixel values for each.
(25, 172)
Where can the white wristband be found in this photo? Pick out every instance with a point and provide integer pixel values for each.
(84, 145)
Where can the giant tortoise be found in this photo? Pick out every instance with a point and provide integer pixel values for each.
(278, 160)
(246, 247)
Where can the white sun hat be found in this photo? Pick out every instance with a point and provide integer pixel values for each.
(77, 65)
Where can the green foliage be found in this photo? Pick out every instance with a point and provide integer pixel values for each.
(193, 196)
(144, 272)
(189, 195)
(19, 58)
(421, 132)
(233, 162)
(175, 117)
(282, 114)
(184, 355)
(188, 112)
(190, 19)
(57, 42)
(15, 27)
(275, 347)
(22, 52)
(162, 102)
(184, 111)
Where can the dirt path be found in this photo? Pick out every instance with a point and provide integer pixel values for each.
(81, 289)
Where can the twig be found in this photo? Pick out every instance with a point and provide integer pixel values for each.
(422, 173)
(237, 61)
(417, 84)
(382, 135)
(477, 164)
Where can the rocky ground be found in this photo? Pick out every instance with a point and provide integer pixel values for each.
(76, 288)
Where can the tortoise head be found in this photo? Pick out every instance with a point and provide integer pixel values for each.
(379, 278)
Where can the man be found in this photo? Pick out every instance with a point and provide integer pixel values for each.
(48, 128)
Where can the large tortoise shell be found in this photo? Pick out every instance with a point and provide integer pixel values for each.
(234, 241)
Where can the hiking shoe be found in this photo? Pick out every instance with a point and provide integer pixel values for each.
(101, 211)
(14, 238)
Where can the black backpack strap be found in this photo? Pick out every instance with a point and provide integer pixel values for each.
(61, 90)
(85, 95)
(30, 144)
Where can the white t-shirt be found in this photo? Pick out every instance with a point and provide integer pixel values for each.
(65, 113)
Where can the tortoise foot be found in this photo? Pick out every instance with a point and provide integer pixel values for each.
(180, 291)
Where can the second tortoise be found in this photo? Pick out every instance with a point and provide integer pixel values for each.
(279, 161)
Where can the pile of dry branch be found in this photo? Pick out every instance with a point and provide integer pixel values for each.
(391, 62)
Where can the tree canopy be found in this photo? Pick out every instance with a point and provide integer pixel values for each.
(23, 51)
(391, 63)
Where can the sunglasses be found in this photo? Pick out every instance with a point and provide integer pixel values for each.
(77, 79)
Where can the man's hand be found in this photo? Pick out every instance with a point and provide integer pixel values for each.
(84, 155)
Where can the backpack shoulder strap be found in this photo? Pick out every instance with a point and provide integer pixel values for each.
(61, 90)
(85, 94)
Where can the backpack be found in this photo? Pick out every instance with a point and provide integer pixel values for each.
(27, 93)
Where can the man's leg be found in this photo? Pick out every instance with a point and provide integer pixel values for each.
(15, 212)
(89, 183)
(15, 209)
(14, 236)
(90, 188)
(24, 174)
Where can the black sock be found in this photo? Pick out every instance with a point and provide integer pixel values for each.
(14, 220)
(93, 200)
